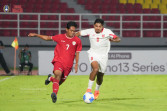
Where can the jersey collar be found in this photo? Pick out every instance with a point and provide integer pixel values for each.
(68, 37)
(102, 30)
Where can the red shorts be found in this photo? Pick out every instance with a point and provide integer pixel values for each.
(65, 71)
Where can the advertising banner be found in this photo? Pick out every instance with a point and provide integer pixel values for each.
(120, 62)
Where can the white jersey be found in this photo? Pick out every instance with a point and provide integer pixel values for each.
(99, 42)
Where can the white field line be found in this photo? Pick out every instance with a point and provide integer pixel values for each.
(7, 78)
(32, 89)
(48, 99)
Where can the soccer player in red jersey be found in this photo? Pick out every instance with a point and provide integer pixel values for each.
(67, 48)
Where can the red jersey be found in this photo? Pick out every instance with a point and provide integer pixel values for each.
(65, 49)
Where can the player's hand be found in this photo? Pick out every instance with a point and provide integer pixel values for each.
(76, 68)
(32, 34)
(117, 39)
(111, 40)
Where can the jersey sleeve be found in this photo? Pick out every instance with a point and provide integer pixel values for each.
(111, 34)
(84, 32)
(79, 46)
(55, 38)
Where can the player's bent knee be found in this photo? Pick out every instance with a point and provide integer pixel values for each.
(57, 73)
(95, 69)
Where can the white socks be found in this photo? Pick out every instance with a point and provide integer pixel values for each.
(90, 84)
(97, 87)
(49, 79)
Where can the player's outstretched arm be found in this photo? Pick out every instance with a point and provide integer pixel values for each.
(78, 34)
(76, 64)
(44, 37)
(117, 39)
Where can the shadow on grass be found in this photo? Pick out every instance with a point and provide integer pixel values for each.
(115, 99)
(99, 100)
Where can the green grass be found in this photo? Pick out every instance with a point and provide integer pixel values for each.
(118, 93)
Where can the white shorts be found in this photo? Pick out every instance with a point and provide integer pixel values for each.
(102, 60)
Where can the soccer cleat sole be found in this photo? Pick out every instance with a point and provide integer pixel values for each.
(96, 97)
(54, 97)
(47, 81)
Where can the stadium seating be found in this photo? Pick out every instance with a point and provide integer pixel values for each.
(94, 6)
(123, 1)
(131, 33)
(140, 1)
(132, 1)
(131, 7)
(165, 34)
(42, 6)
(37, 6)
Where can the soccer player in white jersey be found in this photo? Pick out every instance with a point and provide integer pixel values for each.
(100, 39)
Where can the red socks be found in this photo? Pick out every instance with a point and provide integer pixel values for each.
(55, 84)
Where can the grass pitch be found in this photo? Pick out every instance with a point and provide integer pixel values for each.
(118, 93)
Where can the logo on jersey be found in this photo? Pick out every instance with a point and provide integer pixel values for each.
(6, 8)
(73, 43)
(62, 41)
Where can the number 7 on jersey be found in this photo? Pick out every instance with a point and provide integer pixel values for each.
(67, 46)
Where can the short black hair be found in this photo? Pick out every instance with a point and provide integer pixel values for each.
(99, 21)
(71, 23)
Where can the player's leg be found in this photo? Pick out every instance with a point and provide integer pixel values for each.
(99, 81)
(55, 81)
(47, 81)
(65, 74)
(22, 66)
(63, 78)
(30, 67)
(95, 69)
(3, 64)
(100, 74)
(58, 69)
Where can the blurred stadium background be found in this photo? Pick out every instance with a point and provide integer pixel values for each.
(141, 24)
